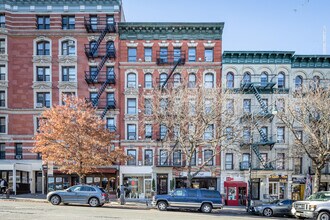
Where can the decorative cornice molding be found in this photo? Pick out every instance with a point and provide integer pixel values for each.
(110, 38)
(192, 70)
(131, 117)
(163, 44)
(209, 44)
(67, 85)
(163, 71)
(3, 57)
(148, 71)
(3, 31)
(42, 85)
(41, 59)
(67, 59)
(132, 44)
(177, 44)
(192, 43)
(148, 44)
(3, 84)
(131, 91)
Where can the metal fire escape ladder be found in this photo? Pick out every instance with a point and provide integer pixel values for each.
(171, 73)
(257, 95)
(99, 40)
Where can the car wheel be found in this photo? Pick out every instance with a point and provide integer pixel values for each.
(268, 212)
(323, 216)
(162, 206)
(206, 208)
(55, 200)
(93, 202)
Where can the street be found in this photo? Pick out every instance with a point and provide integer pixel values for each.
(35, 210)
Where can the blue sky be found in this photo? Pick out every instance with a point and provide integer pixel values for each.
(295, 25)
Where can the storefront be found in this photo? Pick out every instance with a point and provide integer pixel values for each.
(22, 180)
(278, 185)
(298, 188)
(198, 183)
(236, 193)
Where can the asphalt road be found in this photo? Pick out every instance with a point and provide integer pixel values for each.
(32, 210)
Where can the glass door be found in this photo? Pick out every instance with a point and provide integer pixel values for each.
(273, 191)
(147, 188)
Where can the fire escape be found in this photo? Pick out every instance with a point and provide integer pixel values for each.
(256, 118)
(166, 58)
(103, 51)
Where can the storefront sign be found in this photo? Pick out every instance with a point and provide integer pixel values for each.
(50, 170)
(278, 178)
(200, 174)
(301, 180)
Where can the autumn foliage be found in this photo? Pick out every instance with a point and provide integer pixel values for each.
(75, 138)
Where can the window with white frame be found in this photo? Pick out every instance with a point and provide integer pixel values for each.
(264, 79)
(163, 157)
(69, 73)
(148, 131)
(245, 161)
(2, 98)
(209, 80)
(68, 48)
(208, 157)
(247, 77)
(131, 153)
(280, 105)
(147, 107)
(43, 48)
(192, 54)
(111, 124)
(162, 131)
(280, 135)
(280, 165)
(3, 125)
(229, 163)
(2, 46)
(148, 80)
(281, 80)
(147, 54)
(247, 106)
(68, 22)
(193, 158)
(2, 21)
(298, 82)
(208, 134)
(162, 78)
(177, 158)
(148, 157)
(177, 53)
(2, 72)
(132, 54)
(131, 80)
(230, 80)
(43, 99)
(131, 132)
(230, 106)
(208, 54)
(43, 74)
(191, 80)
(131, 106)
(246, 135)
(177, 79)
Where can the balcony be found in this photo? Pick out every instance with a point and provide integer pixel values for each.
(170, 57)
(98, 25)
(101, 51)
(245, 165)
(103, 76)
(104, 103)
(259, 141)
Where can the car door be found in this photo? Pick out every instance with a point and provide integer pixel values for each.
(284, 207)
(70, 195)
(178, 198)
(84, 194)
(192, 198)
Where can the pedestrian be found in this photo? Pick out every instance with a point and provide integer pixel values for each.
(2, 186)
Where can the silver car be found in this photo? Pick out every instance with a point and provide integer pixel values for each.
(277, 207)
(82, 194)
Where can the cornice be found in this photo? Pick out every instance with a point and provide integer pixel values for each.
(131, 91)
(41, 59)
(131, 117)
(42, 85)
(3, 57)
(67, 85)
(3, 84)
(67, 59)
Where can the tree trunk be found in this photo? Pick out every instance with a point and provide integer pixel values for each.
(189, 179)
(81, 178)
(317, 179)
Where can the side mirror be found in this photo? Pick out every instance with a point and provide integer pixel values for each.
(280, 204)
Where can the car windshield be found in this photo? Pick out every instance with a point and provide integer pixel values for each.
(275, 201)
(320, 196)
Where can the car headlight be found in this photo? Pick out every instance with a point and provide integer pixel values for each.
(312, 207)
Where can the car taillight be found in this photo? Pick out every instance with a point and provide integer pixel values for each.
(104, 195)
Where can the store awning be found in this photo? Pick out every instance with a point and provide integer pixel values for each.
(235, 184)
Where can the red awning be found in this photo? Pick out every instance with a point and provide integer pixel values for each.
(235, 183)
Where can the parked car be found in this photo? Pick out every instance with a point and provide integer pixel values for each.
(201, 199)
(82, 194)
(276, 207)
(315, 206)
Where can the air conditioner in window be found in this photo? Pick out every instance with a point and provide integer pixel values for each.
(131, 137)
(39, 105)
(18, 157)
(147, 59)
(71, 43)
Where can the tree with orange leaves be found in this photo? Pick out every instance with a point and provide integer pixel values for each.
(75, 138)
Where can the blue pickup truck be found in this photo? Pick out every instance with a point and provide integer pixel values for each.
(201, 199)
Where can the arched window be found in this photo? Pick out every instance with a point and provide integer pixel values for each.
(316, 81)
(191, 80)
(148, 81)
(298, 82)
(68, 47)
(281, 80)
(264, 79)
(110, 47)
(230, 80)
(177, 79)
(43, 48)
(162, 79)
(247, 77)
(92, 48)
(131, 80)
(208, 80)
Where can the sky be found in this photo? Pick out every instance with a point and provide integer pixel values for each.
(273, 25)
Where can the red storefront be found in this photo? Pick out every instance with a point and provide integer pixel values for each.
(236, 192)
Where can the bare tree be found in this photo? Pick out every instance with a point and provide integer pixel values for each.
(191, 120)
(307, 116)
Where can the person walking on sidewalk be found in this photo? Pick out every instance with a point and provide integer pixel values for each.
(3, 186)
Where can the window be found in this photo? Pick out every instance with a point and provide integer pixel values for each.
(3, 125)
(148, 131)
(177, 54)
(68, 73)
(163, 104)
(163, 160)
(93, 73)
(298, 165)
(111, 124)
(299, 135)
(280, 161)
(68, 48)
(147, 54)
(298, 82)
(191, 54)
(43, 48)
(93, 48)
(208, 55)
(230, 80)
(193, 159)
(208, 134)
(245, 161)
(230, 106)
(148, 81)
(2, 151)
(111, 99)
(163, 78)
(264, 79)
(163, 55)
(43, 22)
(68, 22)
(162, 131)
(209, 80)
(177, 80)
(66, 95)
(43, 74)
(2, 99)
(247, 105)
(2, 72)
(176, 131)
(110, 73)
(264, 157)
(131, 80)
(247, 77)
(265, 101)
(2, 46)
(131, 132)
(208, 157)
(18, 151)
(191, 80)
(131, 106)
(148, 157)
(43, 99)
(229, 161)
(192, 107)
(2, 21)
(280, 135)
(281, 80)
(280, 105)
(264, 134)
(246, 135)
(147, 107)
(93, 98)
(229, 133)
(132, 54)
(131, 157)
(111, 48)
(177, 158)
(316, 82)
(93, 21)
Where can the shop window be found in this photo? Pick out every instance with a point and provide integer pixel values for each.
(68, 22)
(43, 22)
(147, 54)
(191, 54)
(131, 157)
(148, 157)
(132, 54)
(229, 161)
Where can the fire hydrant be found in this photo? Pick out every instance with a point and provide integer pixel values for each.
(8, 193)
